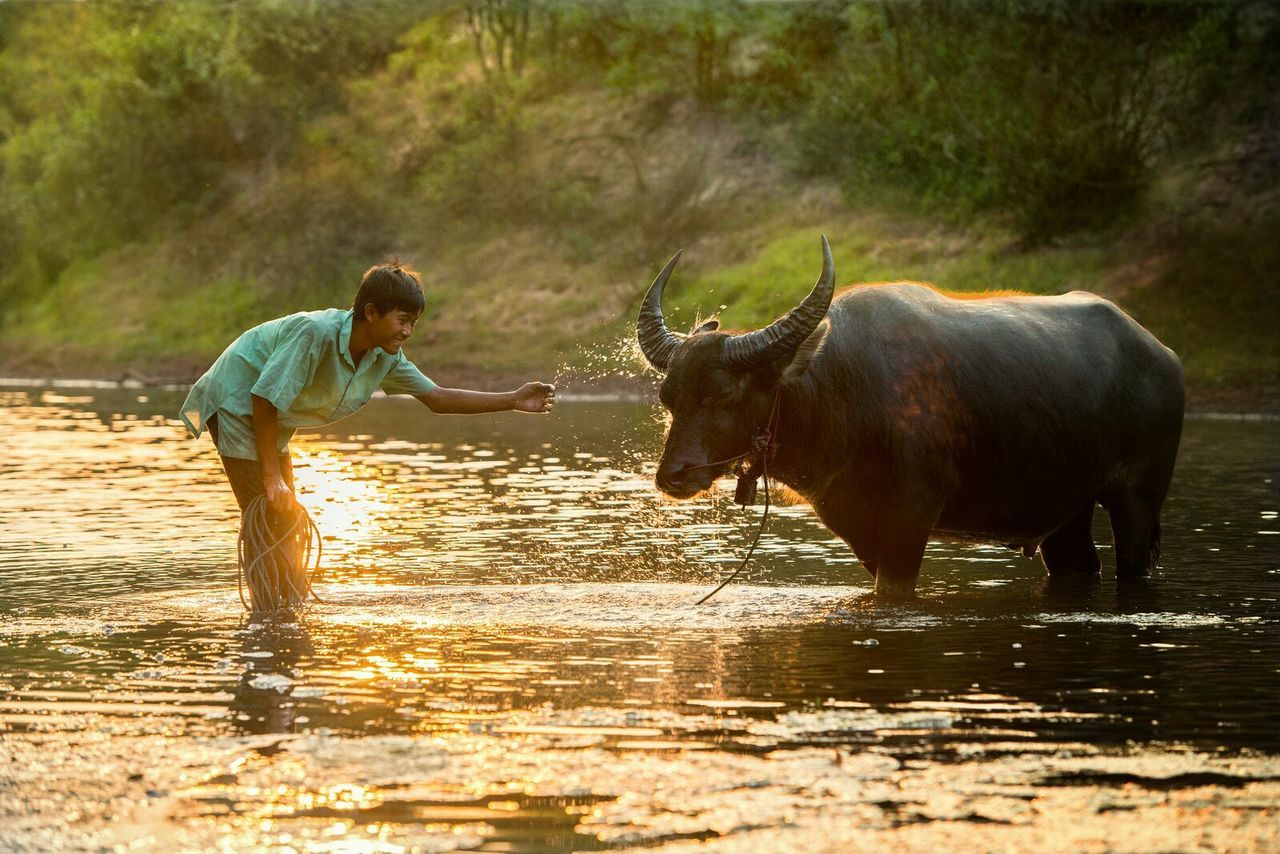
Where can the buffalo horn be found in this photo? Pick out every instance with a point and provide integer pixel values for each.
(784, 335)
(656, 341)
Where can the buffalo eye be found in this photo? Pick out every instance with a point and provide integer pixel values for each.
(720, 396)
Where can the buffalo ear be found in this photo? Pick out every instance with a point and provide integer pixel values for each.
(709, 326)
(806, 351)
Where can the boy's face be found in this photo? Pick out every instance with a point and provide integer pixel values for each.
(389, 331)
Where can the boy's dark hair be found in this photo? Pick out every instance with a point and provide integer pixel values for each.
(389, 287)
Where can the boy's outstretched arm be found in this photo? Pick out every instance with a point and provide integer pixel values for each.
(530, 397)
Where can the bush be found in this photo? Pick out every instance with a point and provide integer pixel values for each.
(123, 117)
(1053, 112)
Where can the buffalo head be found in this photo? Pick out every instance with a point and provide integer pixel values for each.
(720, 387)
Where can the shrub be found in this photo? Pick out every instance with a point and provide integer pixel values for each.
(1054, 112)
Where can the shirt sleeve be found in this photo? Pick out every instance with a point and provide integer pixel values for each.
(291, 365)
(405, 378)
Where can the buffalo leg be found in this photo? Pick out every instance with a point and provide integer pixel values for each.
(903, 538)
(1135, 526)
(1134, 504)
(1070, 549)
(853, 522)
(899, 565)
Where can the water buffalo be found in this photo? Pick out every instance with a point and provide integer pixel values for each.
(902, 410)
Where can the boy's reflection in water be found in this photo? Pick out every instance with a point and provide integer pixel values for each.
(261, 703)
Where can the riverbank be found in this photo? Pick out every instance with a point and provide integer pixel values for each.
(1214, 310)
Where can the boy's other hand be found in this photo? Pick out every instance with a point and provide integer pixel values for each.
(535, 397)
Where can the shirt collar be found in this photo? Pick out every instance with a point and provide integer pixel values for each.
(344, 337)
(344, 340)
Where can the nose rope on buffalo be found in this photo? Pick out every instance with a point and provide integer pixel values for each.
(275, 551)
(763, 447)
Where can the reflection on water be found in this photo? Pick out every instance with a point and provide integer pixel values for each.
(510, 626)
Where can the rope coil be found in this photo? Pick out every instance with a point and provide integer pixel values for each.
(275, 551)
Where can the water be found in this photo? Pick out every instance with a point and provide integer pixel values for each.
(510, 658)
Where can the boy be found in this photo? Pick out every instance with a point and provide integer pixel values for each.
(315, 367)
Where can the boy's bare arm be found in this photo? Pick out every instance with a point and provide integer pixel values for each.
(530, 397)
(266, 429)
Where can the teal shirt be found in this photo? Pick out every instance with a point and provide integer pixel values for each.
(302, 364)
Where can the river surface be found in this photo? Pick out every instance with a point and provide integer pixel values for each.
(509, 657)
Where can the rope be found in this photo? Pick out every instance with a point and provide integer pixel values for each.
(723, 584)
(763, 445)
(275, 555)
(738, 458)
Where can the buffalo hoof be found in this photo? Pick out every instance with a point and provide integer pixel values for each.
(1073, 583)
(886, 590)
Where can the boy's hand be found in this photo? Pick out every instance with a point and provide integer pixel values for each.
(535, 397)
(279, 495)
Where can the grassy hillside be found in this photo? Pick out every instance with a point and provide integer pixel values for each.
(539, 206)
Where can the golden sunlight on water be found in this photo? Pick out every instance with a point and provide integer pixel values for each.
(346, 500)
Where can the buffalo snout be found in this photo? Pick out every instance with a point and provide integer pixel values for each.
(682, 480)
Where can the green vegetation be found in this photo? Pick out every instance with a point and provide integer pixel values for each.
(770, 283)
(175, 172)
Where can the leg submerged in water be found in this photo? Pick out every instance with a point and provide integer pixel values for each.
(276, 547)
(1070, 550)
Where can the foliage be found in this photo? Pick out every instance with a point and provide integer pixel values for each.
(499, 29)
(1054, 112)
(256, 153)
(656, 48)
(123, 116)
(1214, 307)
(772, 281)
